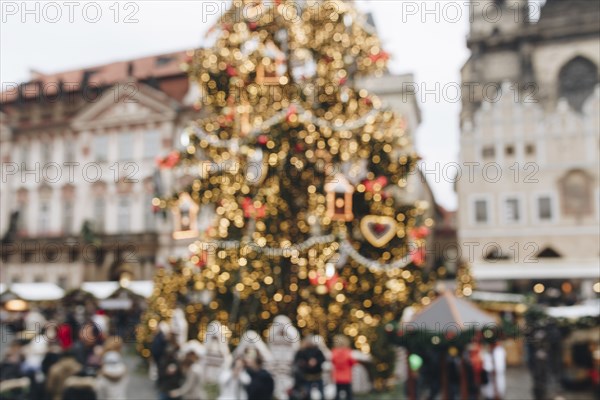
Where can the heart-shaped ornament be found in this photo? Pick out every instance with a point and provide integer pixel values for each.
(378, 230)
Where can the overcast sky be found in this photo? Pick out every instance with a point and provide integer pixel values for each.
(425, 38)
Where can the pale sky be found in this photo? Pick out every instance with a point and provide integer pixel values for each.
(426, 38)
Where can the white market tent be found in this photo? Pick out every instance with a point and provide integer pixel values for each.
(142, 288)
(40, 291)
(497, 297)
(100, 290)
(588, 309)
(104, 290)
(573, 269)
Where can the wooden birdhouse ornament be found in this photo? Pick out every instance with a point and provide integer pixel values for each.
(185, 218)
(273, 67)
(339, 199)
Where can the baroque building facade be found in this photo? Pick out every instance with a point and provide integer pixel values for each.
(79, 171)
(530, 148)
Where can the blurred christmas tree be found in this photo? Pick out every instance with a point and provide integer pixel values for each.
(301, 180)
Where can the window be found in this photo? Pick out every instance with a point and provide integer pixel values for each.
(152, 144)
(62, 281)
(67, 223)
(512, 212)
(123, 222)
(530, 149)
(576, 193)
(548, 252)
(69, 150)
(101, 148)
(488, 152)
(149, 216)
(126, 146)
(22, 218)
(510, 150)
(99, 207)
(481, 212)
(23, 155)
(577, 80)
(44, 220)
(544, 207)
(46, 153)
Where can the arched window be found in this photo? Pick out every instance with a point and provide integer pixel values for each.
(548, 252)
(577, 80)
(576, 193)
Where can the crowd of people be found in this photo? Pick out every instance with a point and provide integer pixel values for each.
(479, 372)
(69, 358)
(180, 372)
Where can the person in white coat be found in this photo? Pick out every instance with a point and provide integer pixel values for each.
(111, 383)
(494, 362)
(233, 381)
(193, 387)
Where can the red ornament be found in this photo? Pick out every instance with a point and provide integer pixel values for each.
(262, 140)
(291, 111)
(381, 181)
(202, 259)
(343, 81)
(418, 256)
(327, 282)
(382, 55)
(169, 161)
(252, 25)
(251, 211)
(420, 232)
(231, 71)
(298, 147)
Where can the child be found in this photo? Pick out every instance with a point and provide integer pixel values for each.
(342, 360)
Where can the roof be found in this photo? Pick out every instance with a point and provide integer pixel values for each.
(156, 66)
(103, 290)
(543, 269)
(449, 310)
(34, 291)
(589, 309)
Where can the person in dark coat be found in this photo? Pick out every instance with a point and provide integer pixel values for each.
(170, 375)
(261, 385)
(309, 364)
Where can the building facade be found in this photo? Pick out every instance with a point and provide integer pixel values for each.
(79, 169)
(78, 154)
(530, 148)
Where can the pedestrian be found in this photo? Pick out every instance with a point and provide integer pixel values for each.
(66, 367)
(262, 385)
(494, 362)
(12, 363)
(309, 362)
(87, 349)
(476, 376)
(342, 361)
(233, 381)
(113, 377)
(193, 387)
(157, 348)
(453, 373)
(169, 371)
(80, 387)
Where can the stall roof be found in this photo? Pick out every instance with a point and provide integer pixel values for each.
(544, 269)
(497, 297)
(41, 291)
(142, 288)
(100, 290)
(103, 290)
(589, 309)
